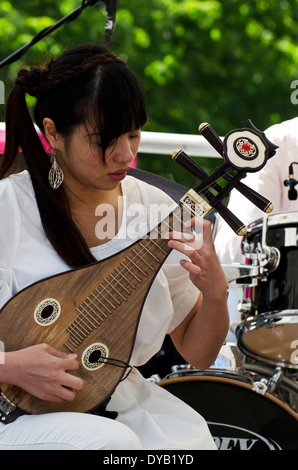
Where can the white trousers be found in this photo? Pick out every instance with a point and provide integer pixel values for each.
(67, 431)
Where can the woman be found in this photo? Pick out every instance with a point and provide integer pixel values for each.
(91, 110)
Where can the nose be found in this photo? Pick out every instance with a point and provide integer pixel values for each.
(125, 150)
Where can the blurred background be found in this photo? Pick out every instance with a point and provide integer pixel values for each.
(197, 60)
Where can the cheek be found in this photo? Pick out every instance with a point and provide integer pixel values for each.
(88, 157)
(94, 159)
(135, 146)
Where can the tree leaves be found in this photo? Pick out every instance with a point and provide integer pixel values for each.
(198, 60)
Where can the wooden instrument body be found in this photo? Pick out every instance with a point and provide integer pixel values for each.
(116, 331)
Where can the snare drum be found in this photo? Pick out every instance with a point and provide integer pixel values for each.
(238, 417)
(271, 338)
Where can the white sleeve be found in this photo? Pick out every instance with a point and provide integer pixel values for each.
(183, 292)
(10, 223)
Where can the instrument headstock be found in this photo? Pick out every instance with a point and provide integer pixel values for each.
(243, 150)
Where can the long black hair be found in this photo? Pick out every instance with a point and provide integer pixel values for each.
(86, 84)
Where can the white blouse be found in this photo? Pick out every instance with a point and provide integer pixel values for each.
(160, 420)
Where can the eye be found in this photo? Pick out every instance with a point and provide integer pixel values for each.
(135, 135)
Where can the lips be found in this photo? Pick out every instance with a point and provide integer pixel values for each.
(119, 174)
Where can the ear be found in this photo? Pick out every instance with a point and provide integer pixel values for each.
(50, 132)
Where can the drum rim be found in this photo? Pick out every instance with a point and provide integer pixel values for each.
(256, 322)
(209, 378)
(264, 316)
(286, 218)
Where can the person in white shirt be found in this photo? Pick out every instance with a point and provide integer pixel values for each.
(91, 109)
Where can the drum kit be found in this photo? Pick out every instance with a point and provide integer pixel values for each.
(249, 397)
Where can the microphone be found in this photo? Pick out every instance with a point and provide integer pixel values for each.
(291, 183)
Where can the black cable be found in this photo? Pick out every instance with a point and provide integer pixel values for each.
(46, 31)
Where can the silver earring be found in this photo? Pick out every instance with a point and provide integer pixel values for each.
(56, 175)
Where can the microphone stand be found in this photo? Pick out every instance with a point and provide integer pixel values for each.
(45, 32)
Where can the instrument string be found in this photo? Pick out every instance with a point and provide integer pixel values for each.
(79, 329)
(102, 301)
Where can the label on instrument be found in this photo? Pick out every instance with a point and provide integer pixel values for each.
(195, 204)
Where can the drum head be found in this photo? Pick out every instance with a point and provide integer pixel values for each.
(271, 338)
(238, 418)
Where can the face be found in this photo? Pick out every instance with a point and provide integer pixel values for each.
(82, 161)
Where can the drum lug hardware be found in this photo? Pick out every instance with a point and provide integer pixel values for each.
(275, 379)
(260, 386)
(269, 257)
(264, 385)
(238, 275)
(155, 378)
(244, 306)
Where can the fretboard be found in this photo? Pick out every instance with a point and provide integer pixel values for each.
(140, 261)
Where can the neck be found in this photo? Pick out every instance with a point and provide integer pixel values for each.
(97, 214)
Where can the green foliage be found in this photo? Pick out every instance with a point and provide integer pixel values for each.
(198, 60)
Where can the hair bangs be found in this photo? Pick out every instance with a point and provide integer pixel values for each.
(118, 105)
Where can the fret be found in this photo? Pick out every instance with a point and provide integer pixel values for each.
(134, 275)
(138, 267)
(178, 220)
(97, 307)
(82, 324)
(122, 275)
(118, 292)
(118, 282)
(158, 246)
(75, 344)
(109, 293)
(148, 252)
(88, 314)
(105, 298)
(81, 329)
(100, 300)
(84, 318)
(143, 259)
(74, 333)
(68, 347)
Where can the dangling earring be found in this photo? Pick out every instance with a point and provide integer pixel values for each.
(56, 175)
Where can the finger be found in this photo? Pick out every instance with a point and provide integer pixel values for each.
(69, 364)
(191, 267)
(61, 354)
(65, 393)
(72, 381)
(175, 235)
(185, 247)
